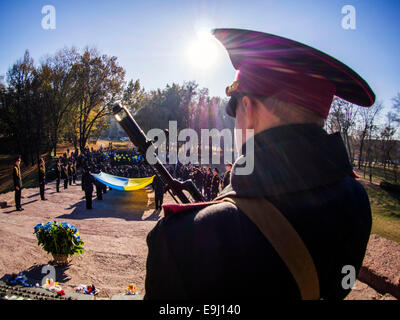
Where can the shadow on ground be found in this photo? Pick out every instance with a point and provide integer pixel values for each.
(131, 206)
(36, 273)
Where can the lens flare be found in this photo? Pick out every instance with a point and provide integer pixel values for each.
(203, 52)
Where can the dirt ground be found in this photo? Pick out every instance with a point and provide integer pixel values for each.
(114, 233)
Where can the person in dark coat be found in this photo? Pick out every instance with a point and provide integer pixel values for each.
(215, 182)
(207, 184)
(304, 173)
(227, 176)
(74, 171)
(99, 187)
(158, 187)
(58, 175)
(65, 175)
(17, 179)
(70, 172)
(104, 187)
(87, 185)
(42, 178)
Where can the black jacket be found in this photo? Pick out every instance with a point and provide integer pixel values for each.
(17, 177)
(42, 174)
(217, 252)
(87, 182)
(59, 172)
(158, 185)
(64, 173)
(225, 179)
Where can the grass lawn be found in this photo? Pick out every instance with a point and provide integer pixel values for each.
(379, 174)
(385, 212)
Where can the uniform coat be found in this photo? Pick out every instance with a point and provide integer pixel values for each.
(87, 186)
(58, 179)
(42, 181)
(158, 186)
(225, 179)
(217, 252)
(215, 182)
(17, 178)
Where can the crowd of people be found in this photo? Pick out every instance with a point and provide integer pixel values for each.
(207, 180)
(123, 164)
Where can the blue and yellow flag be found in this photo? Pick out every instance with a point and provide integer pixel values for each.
(123, 184)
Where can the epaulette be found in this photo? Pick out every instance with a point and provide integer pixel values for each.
(174, 208)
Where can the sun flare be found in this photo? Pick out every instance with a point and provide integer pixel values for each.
(203, 52)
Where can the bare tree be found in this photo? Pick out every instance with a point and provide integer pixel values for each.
(342, 118)
(367, 117)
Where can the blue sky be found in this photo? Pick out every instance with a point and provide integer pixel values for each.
(150, 38)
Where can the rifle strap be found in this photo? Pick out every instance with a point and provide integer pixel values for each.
(285, 240)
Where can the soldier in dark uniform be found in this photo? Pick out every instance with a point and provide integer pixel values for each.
(87, 185)
(42, 178)
(158, 187)
(17, 178)
(99, 187)
(74, 171)
(215, 182)
(70, 172)
(227, 176)
(65, 175)
(58, 175)
(283, 91)
(207, 184)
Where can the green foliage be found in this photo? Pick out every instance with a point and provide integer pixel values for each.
(67, 96)
(59, 238)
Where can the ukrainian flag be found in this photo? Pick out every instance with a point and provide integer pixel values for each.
(123, 184)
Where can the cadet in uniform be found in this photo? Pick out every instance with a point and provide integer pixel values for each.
(65, 175)
(283, 90)
(42, 178)
(158, 187)
(17, 178)
(207, 184)
(215, 182)
(87, 186)
(227, 176)
(59, 174)
(99, 186)
(70, 172)
(73, 171)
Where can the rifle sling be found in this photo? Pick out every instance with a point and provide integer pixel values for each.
(285, 240)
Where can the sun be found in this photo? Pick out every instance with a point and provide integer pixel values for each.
(203, 52)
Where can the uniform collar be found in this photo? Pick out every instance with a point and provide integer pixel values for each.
(291, 158)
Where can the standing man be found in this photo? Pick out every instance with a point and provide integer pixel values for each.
(59, 174)
(292, 216)
(87, 185)
(70, 172)
(65, 175)
(227, 176)
(158, 187)
(17, 178)
(99, 186)
(104, 187)
(207, 184)
(42, 178)
(215, 182)
(74, 171)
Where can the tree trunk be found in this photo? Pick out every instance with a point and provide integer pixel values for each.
(361, 151)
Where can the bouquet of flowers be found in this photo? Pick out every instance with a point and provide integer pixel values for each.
(59, 238)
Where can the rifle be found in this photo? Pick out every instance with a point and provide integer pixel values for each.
(139, 139)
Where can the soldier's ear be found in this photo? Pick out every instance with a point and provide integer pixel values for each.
(248, 109)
